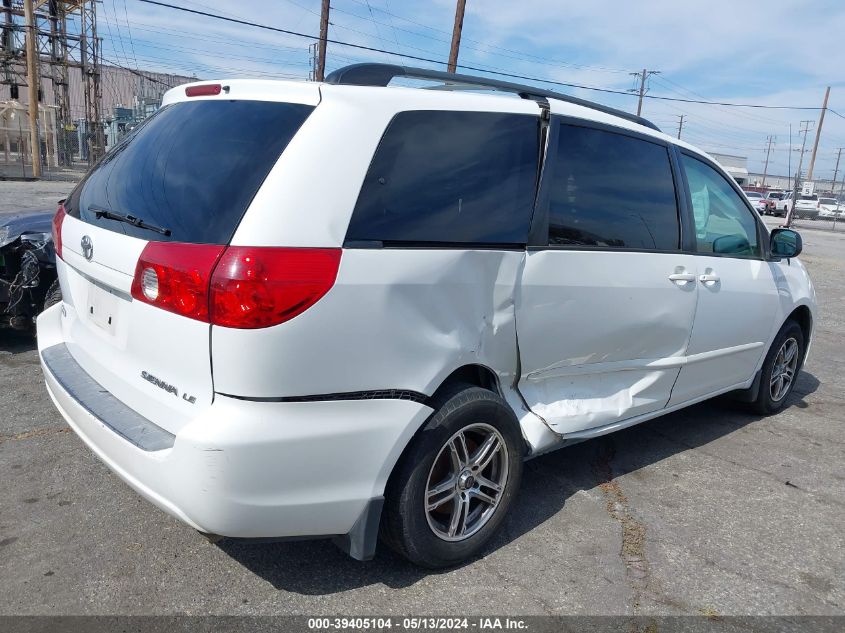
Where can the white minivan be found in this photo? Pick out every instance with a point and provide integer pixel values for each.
(348, 309)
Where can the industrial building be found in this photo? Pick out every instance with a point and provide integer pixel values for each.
(128, 96)
(50, 53)
(737, 166)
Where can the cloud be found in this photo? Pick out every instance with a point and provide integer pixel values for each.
(775, 52)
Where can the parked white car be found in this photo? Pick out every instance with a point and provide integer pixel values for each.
(807, 206)
(783, 205)
(758, 201)
(339, 309)
(829, 208)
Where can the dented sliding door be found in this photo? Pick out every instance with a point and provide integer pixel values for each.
(607, 296)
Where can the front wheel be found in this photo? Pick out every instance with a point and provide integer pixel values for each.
(457, 480)
(780, 369)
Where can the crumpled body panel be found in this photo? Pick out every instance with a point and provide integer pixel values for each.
(602, 335)
(395, 319)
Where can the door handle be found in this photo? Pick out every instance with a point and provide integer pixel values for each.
(708, 279)
(682, 278)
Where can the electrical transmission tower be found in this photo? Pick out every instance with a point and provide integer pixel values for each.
(41, 43)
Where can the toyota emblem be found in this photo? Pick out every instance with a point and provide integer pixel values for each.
(87, 248)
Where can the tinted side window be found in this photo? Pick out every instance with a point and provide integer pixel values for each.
(723, 223)
(460, 177)
(607, 189)
(193, 167)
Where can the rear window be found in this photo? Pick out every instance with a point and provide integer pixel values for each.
(810, 197)
(192, 168)
(450, 177)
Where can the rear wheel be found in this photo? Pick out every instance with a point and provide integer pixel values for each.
(456, 481)
(780, 369)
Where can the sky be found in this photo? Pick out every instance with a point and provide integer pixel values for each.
(774, 53)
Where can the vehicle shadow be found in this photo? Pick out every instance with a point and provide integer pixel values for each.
(16, 342)
(317, 567)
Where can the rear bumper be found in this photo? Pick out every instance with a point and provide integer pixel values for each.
(243, 468)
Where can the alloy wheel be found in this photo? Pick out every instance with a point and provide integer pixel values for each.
(466, 482)
(783, 369)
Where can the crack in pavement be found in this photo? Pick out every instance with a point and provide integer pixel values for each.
(30, 434)
(632, 552)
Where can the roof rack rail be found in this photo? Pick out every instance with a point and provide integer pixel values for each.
(382, 74)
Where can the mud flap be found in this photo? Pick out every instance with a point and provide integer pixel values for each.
(360, 542)
(750, 394)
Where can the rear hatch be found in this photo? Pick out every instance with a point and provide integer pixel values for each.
(185, 177)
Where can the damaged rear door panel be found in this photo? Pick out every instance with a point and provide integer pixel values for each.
(607, 297)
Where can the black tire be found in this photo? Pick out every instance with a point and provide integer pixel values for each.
(53, 296)
(766, 402)
(407, 525)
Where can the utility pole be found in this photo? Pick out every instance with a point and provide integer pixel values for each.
(312, 60)
(805, 128)
(841, 187)
(818, 134)
(836, 169)
(789, 153)
(680, 124)
(770, 139)
(643, 77)
(32, 81)
(456, 36)
(320, 71)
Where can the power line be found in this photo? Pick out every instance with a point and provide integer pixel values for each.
(476, 68)
(129, 30)
(523, 56)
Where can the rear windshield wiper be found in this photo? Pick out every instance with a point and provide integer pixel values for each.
(100, 212)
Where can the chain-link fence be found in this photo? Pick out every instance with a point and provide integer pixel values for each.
(835, 223)
(58, 145)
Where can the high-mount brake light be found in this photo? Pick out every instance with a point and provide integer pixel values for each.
(203, 90)
(58, 220)
(242, 287)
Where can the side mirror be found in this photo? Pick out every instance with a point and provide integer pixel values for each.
(731, 245)
(785, 243)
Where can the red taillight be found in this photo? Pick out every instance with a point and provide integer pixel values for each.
(58, 220)
(175, 277)
(205, 90)
(255, 287)
(239, 286)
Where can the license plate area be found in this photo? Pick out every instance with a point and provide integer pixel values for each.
(102, 308)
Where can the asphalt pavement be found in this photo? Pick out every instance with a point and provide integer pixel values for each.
(711, 510)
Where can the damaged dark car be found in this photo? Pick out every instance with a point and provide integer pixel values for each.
(28, 282)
